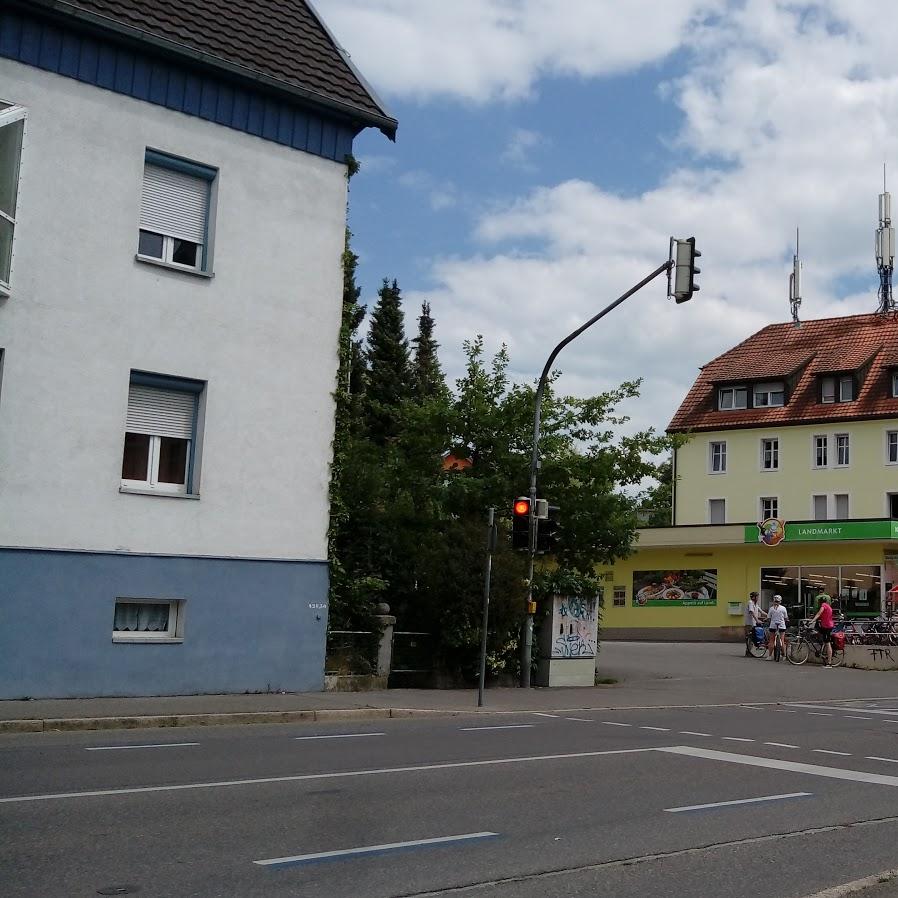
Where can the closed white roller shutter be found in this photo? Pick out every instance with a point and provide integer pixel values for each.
(174, 204)
(161, 413)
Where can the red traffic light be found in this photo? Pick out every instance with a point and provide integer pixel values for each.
(522, 506)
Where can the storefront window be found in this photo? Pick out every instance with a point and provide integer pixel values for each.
(856, 589)
(861, 589)
(780, 581)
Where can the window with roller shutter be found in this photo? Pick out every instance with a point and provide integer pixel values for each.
(175, 210)
(160, 434)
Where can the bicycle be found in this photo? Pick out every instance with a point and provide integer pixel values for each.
(809, 640)
(756, 642)
(779, 644)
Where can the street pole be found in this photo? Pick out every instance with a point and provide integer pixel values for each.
(527, 630)
(490, 545)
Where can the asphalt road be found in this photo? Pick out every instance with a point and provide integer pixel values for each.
(591, 803)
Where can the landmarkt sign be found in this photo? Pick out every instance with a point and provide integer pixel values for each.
(772, 532)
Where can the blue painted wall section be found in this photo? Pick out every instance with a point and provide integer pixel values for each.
(248, 625)
(165, 83)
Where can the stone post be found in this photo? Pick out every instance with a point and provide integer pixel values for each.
(385, 649)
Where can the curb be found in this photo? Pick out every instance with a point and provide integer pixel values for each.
(859, 885)
(235, 718)
(157, 721)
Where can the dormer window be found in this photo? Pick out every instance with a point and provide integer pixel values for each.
(732, 397)
(769, 394)
(846, 389)
(838, 389)
(895, 384)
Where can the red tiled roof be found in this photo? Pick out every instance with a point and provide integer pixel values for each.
(827, 345)
(280, 39)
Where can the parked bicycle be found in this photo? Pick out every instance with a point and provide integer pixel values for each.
(809, 640)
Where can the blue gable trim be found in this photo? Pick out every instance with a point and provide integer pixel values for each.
(141, 75)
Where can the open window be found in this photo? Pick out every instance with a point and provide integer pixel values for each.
(12, 130)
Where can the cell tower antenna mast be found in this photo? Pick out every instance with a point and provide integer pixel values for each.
(885, 250)
(795, 285)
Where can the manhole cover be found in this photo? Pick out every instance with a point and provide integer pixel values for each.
(118, 890)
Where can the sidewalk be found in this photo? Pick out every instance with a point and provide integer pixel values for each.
(647, 674)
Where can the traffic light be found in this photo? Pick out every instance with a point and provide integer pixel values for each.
(520, 524)
(549, 532)
(683, 255)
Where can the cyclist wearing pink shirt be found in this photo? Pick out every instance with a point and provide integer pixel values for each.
(825, 623)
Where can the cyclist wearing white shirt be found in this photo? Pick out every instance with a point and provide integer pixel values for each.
(777, 620)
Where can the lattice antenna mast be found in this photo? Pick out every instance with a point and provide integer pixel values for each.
(885, 250)
(795, 285)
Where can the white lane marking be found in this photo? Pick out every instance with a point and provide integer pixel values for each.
(691, 733)
(781, 744)
(541, 714)
(751, 707)
(504, 726)
(891, 714)
(614, 723)
(826, 751)
(737, 739)
(786, 711)
(837, 773)
(580, 719)
(298, 859)
(724, 804)
(874, 758)
(338, 736)
(659, 729)
(154, 745)
(819, 714)
(308, 777)
(855, 717)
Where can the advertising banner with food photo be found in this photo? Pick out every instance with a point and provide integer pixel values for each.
(654, 589)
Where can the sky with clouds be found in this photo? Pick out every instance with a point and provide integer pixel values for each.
(548, 149)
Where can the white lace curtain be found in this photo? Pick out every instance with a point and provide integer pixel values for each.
(140, 617)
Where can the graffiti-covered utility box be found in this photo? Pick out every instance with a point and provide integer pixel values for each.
(568, 641)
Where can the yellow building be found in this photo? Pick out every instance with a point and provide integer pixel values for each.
(787, 483)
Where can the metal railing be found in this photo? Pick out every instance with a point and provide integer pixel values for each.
(351, 653)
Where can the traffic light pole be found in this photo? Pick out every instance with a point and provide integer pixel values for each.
(527, 634)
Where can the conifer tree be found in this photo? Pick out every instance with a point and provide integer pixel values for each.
(388, 382)
(427, 376)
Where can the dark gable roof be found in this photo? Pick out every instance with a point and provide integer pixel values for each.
(780, 351)
(282, 42)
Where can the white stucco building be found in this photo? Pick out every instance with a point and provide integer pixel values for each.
(172, 215)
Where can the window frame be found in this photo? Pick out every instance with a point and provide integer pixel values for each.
(849, 380)
(766, 389)
(717, 499)
(823, 391)
(825, 498)
(838, 454)
(176, 619)
(836, 516)
(152, 487)
(717, 448)
(774, 503)
(895, 385)
(891, 444)
(815, 451)
(733, 390)
(889, 494)
(619, 597)
(203, 172)
(10, 115)
(774, 454)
